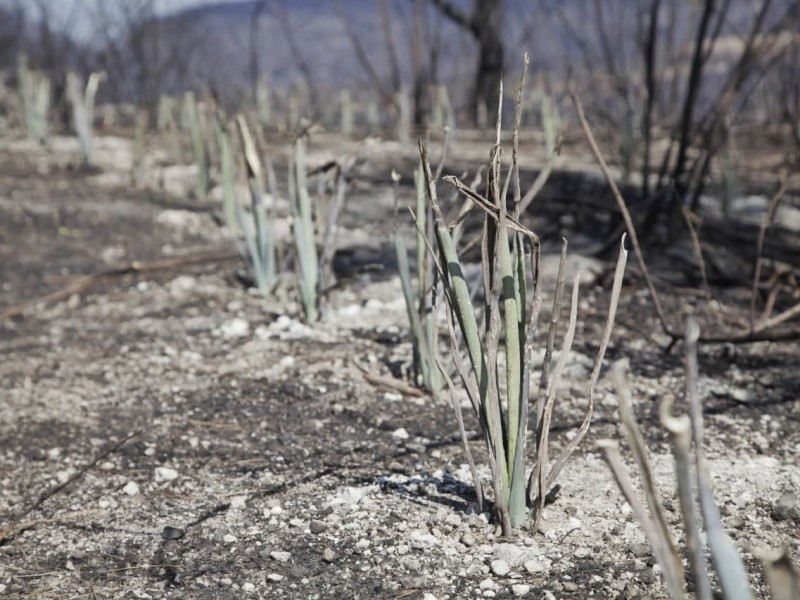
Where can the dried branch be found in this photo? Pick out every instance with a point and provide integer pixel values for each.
(768, 219)
(626, 215)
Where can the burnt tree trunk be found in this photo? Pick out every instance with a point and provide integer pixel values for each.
(484, 23)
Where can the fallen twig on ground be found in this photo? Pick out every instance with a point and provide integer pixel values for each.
(85, 282)
(7, 533)
(390, 383)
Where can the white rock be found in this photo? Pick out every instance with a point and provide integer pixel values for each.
(534, 566)
(351, 496)
(235, 328)
(280, 556)
(400, 434)
(421, 540)
(511, 553)
(486, 584)
(131, 489)
(500, 568)
(520, 589)
(182, 220)
(275, 577)
(428, 596)
(248, 587)
(163, 474)
(228, 539)
(238, 501)
(182, 284)
(581, 552)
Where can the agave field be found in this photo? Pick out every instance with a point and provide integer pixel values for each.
(244, 361)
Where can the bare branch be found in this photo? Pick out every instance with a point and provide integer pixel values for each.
(361, 53)
(457, 16)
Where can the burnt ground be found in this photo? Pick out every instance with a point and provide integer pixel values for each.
(165, 432)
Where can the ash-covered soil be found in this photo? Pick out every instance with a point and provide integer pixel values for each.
(257, 460)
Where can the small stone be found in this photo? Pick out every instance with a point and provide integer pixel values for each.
(414, 581)
(163, 474)
(581, 552)
(329, 555)
(280, 556)
(317, 526)
(787, 507)
(275, 577)
(548, 595)
(422, 541)
(486, 584)
(520, 589)
(533, 566)
(500, 568)
(228, 539)
(69, 566)
(428, 596)
(570, 586)
(647, 577)
(235, 328)
(468, 539)
(172, 533)
(513, 554)
(736, 522)
(640, 550)
(131, 488)
(400, 434)
(412, 564)
(248, 587)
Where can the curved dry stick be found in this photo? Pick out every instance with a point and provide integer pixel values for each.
(769, 217)
(626, 215)
(616, 288)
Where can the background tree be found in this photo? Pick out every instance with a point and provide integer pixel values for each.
(12, 32)
(259, 6)
(484, 23)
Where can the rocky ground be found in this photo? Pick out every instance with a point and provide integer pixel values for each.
(165, 432)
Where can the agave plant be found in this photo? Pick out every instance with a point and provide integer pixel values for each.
(510, 253)
(35, 92)
(81, 101)
(257, 229)
(694, 489)
(419, 307)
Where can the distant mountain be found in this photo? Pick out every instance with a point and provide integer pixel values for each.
(319, 35)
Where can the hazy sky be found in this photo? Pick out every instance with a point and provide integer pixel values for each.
(83, 10)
